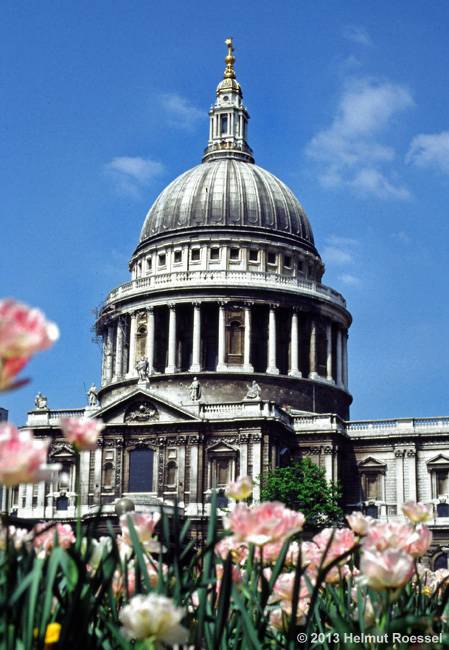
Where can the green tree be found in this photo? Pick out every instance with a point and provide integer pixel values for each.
(303, 486)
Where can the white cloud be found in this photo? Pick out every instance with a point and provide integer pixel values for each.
(131, 174)
(401, 236)
(180, 111)
(349, 279)
(338, 256)
(337, 240)
(350, 151)
(357, 34)
(430, 150)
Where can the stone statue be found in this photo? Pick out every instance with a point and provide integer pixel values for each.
(195, 390)
(41, 402)
(142, 368)
(92, 396)
(253, 391)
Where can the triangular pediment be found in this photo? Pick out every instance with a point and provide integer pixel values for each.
(142, 407)
(221, 448)
(371, 462)
(60, 451)
(441, 459)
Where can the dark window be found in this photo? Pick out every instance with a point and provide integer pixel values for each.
(271, 258)
(372, 486)
(214, 253)
(443, 510)
(224, 124)
(140, 470)
(442, 482)
(222, 472)
(287, 261)
(171, 473)
(234, 253)
(178, 256)
(440, 562)
(372, 511)
(141, 340)
(253, 255)
(195, 254)
(162, 259)
(62, 503)
(149, 263)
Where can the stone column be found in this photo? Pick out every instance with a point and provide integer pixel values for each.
(221, 337)
(29, 496)
(247, 365)
(149, 343)
(345, 359)
(294, 347)
(41, 497)
(328, 463)
(257, 469)
(399, 462)
(339, 359)
(97, 475)
(196, 338)
(118, 370)
(108, 347)
(412, 486)
(84, 476)
(329, 353)
(312, 352)
(272, 368)
(132, 345)
(194, 474)
(171, 362)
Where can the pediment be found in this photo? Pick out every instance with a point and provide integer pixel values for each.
(61, 451)
(371, 463)
(221, 448)
(441, 459)
(142, 407)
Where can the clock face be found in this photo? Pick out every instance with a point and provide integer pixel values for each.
(225, 98)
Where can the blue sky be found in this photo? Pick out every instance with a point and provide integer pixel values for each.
(103, 103)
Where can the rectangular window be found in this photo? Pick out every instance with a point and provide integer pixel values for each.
(372, 486)
(162, 258)
(271, 258)
(214, 253)
(149, 263)
(223, 124)
(253, 255)
(442, 482)
(178, 257)
(195, 254)
(287, 261)
(234, 253)
(140, 470)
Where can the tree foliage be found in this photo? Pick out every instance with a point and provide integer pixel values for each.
(303, 486)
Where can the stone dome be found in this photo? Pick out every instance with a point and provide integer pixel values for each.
(228, 193)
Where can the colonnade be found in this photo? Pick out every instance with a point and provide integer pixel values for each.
(123, 332)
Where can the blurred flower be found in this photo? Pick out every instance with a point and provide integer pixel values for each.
(359, 523)
(343, 540)
(99, 549)
(19, 537)
(119, 582)
(398, 535)
(22, 457)
(23, 331)
(238, 550)
(82, 432)
(419, 546)
(241, 489)
(144, 524)
(46, 538)
(263, 523)
(153, 617)
(417, 512)
(388, 569)
(283, 595)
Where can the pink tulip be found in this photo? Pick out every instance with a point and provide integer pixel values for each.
(418, 547)
(22, 457)
(417, 512)
(343, 540)
(46, 537)
(23, 331)
(241, 489)
(82, 432)
(389, 569)
(391, 534)
(359, 523)
(238, 550)
(263, 523)
(144, 524)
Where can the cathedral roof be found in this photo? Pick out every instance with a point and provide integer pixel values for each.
(228, 189)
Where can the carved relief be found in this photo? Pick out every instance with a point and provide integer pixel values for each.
(141, 412)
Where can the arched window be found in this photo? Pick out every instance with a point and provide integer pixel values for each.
(108, 475)
(440, 562)
(140, 470)
(141, 341)
(171, 473)
(234, 338)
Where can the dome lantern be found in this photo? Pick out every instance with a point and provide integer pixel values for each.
(228, 117)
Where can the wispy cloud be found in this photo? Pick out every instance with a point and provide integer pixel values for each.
(401, 236)
(350, 151)
(430, 150)
(180, 111)
(357, 34)
(338, 256)
(349, 279)
(131, 174)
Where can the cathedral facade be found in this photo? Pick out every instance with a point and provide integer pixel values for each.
(226, 355)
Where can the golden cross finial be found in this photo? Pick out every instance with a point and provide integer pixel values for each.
(229, 60)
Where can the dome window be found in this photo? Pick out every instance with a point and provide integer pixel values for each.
(234, 254)
(149, 263)
(287, 261)
(195, 254)
(178, 257)
(214, 254)
(253, 255)
(162, 259)
(224, 124)
(271, 258)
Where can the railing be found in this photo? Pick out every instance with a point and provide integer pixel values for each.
(414, 425)
(179, 279)
(43, 417)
